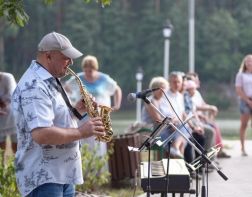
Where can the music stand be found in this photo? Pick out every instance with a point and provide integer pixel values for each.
(153, 138)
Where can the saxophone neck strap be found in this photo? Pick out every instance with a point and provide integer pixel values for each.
(64, 95)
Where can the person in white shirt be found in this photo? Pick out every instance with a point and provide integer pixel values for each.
(207, 114)
(243, 85)
(177, 108)
(151, 115)
(7, 122)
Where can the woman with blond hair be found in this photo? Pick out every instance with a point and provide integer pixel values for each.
(243, 84)
(101, 86)
(149, 114)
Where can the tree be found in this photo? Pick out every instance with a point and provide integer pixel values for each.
(128, 34)
(14, 12)
(220, 33)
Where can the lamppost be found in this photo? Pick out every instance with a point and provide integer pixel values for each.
(167, 31)
(139, 78)
(191, 35)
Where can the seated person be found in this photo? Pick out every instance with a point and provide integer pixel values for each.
(198, 132)
(151, 115)
(207, 114)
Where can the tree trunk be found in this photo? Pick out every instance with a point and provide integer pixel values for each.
(59, 15)
(157, 6)
(2, 44)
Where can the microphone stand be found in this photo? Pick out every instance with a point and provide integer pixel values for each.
(148, 144)
(151, 140)
(168, 141)
(205, 160)
(167, 169)
(165, 123)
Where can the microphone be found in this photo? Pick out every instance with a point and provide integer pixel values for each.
(142, 95)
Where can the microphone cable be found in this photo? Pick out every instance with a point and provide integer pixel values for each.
(135, 182)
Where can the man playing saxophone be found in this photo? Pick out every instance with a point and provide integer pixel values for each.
(48, 159)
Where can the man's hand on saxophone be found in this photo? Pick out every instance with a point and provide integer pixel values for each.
(93, 126)
(81, 106)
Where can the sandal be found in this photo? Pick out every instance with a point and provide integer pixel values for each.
(244, 154)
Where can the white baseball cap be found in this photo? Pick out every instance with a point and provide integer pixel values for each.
(58, 42)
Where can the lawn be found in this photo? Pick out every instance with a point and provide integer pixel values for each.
(228, 122)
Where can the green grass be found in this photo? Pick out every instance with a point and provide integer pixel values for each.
(228, 122)
(125, 190)
(232, 114)
(131, 114)
(124, 115)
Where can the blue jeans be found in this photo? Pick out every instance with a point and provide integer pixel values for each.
(53, 190)
(244, 108)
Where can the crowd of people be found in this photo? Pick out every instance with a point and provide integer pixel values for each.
(47, 122)
(179, 99)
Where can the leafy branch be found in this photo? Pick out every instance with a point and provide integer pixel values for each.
(14, 12)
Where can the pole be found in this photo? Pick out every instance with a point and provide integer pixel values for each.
(166, 57)
(139, 101)
(191, 36)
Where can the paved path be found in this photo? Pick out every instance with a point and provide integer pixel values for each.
(238, 169)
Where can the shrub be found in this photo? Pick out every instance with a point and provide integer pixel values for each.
(8, 186)
(94, 169)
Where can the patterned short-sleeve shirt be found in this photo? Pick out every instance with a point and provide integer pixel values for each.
(37, 102)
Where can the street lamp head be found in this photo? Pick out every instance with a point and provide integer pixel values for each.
(167, 29)
(139, 74)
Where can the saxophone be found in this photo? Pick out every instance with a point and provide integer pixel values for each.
(92, 111)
